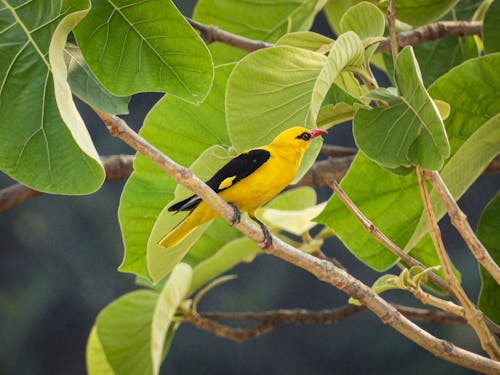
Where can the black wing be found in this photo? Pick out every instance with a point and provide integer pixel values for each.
(237, 169)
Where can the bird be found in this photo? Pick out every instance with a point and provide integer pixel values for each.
(247, 182)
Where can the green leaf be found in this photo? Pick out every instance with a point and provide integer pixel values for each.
(410, 131)
(488, 234)
(390, 201)
(145, 46)
(169, 299)
(472, 129)
(376, 191)
(122, 336)
(382, 284)
(335, 9)
(97, 363)
(161, 261)
(294, 199)
(331, 114)
(239, 250)
(86, 87)
(419, 12)
(366, 20)
(306, 40)
(258, 20)
(44, 143)
(191, 130)
(491, 31)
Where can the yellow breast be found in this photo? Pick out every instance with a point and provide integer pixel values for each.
(265, 183)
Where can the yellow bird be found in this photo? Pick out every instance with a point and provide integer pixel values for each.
(247, 182)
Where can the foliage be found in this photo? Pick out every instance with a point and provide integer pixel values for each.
(221, 101)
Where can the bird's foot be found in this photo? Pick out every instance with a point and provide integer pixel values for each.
(236, 214)
(268, 240)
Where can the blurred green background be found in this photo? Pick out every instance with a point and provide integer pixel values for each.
(59, 257)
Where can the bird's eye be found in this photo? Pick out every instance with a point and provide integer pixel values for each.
(305, 136)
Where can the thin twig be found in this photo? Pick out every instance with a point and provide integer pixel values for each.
(459, 221)
(380, 237)
(322, 269)
(117, 167)
(332, 316)
(431, 32)
(269, 319)
(474, 316)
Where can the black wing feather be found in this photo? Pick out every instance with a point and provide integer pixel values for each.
(241, 167)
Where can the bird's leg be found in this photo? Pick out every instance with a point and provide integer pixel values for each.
(268, 241)
(236, 214)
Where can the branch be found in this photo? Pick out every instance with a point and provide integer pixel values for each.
(393, 38)
(431, 32)
(325, 170)
(269, 319)
(322, 269)
(459, 221)
(117, 167)
(211, 34)
(474, 317)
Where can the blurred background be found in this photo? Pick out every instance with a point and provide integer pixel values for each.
(58, 269)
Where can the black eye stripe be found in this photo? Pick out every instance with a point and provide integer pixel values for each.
(305, 136)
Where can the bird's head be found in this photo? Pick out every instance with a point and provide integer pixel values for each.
(297, 138)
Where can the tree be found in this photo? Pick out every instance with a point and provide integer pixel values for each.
(233, 87)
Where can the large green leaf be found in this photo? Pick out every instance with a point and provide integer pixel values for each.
(419, 12)
(44, 143)
(86, 87)
(410, 130)
(491, 31)
(183, 131)
(141, 46)
(488, 233)
(120, 341)
(392, 202)
(169, 299)
(276, 88)
(259, 19)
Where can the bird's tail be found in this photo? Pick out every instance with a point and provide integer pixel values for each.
(186, 227)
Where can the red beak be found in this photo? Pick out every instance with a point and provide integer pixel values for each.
(317, 132)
